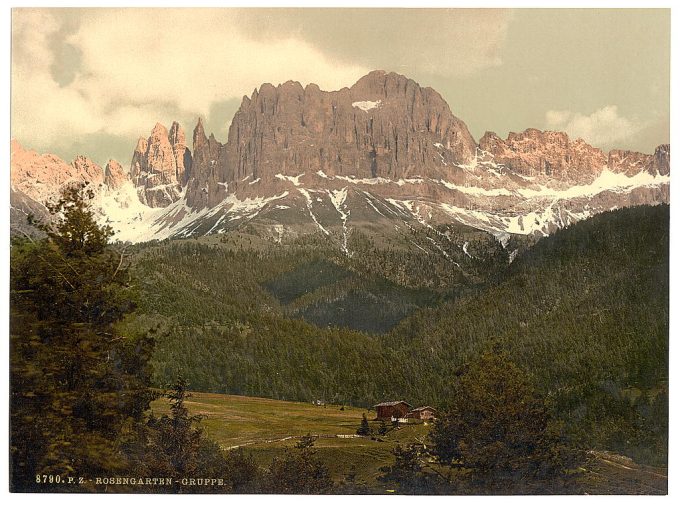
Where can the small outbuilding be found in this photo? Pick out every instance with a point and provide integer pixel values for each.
(423, 413)
(389, 410)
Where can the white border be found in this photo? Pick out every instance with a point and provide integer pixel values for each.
(5, 16)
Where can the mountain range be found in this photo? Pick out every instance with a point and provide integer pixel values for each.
(385, 153)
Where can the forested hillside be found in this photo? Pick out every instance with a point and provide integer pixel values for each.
(584, 311)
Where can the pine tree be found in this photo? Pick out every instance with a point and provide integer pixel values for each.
(364, 430)
(407, 474)
(175, 438)
(305, 442)
(79, 389)
(299, 471)
(498, 428)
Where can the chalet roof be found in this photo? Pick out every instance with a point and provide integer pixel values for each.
(424, 408)
(391, 404)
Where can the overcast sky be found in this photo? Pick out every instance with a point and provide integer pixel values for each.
(91, 81)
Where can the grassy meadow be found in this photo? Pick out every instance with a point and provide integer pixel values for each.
(266, 428)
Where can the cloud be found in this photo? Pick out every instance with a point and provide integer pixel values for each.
(139, 66)
(603, 128)
(448, 43)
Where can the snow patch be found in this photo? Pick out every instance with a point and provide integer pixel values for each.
(338, 197)
(308, 198)
(366, 105)
(368, 197)
(465, 249)
(133, 221)
(295, 180)
(217, 223)
(475, 190)
(606, 181)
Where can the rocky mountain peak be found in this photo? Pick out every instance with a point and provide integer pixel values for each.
(662, 160)
(142, 145)
(88, 170)
(207, 170)
(199, 134)
(41, 177)
(382, 84)
(114, 175)
(161, 164)
(385, 125)
(159, 133)
(535, 152)
(552, 153)
(383, 149)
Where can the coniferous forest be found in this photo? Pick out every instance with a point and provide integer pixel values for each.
(577, 322)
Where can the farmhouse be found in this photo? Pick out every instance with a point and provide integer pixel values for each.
(388, 410)
(423, 413)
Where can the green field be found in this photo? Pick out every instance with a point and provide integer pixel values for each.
(265, 428)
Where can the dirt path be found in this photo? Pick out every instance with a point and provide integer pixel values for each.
(626, 476)
(289, 437)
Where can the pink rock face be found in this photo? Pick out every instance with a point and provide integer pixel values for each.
(661, 163)
(42, 176)
(385, 125)
(88, 170)
(204, 185)
(384, 148)
(534, 152)
(180, 151)
(628, 162)
(114, 175)
(160, 165)
(548, 153)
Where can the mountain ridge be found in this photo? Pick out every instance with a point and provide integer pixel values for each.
(383, 150)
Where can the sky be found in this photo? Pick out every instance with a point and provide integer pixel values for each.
(92, 81)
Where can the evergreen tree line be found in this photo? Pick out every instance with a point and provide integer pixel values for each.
(584, 312)
(81, 385)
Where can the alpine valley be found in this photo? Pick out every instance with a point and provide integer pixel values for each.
(359, 246)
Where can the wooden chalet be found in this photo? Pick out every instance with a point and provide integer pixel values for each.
(422, 413)
(389, 410)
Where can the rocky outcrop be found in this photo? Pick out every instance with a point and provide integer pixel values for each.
(629, 162)
(181, 153)
(114, 175)
(661, 163)
(534, 152)
(384, 149)
(160, 165)
(42, 176)
(206, 184)
(88, 170)
(385, 125)
(553, 154)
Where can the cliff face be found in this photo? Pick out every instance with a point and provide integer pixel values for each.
(384, 149)
(661, 164)
(160, 165)
(41, 176)
(553, 154)
(385, 125)
(114, 175)
(206, 186)
(534, 152)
